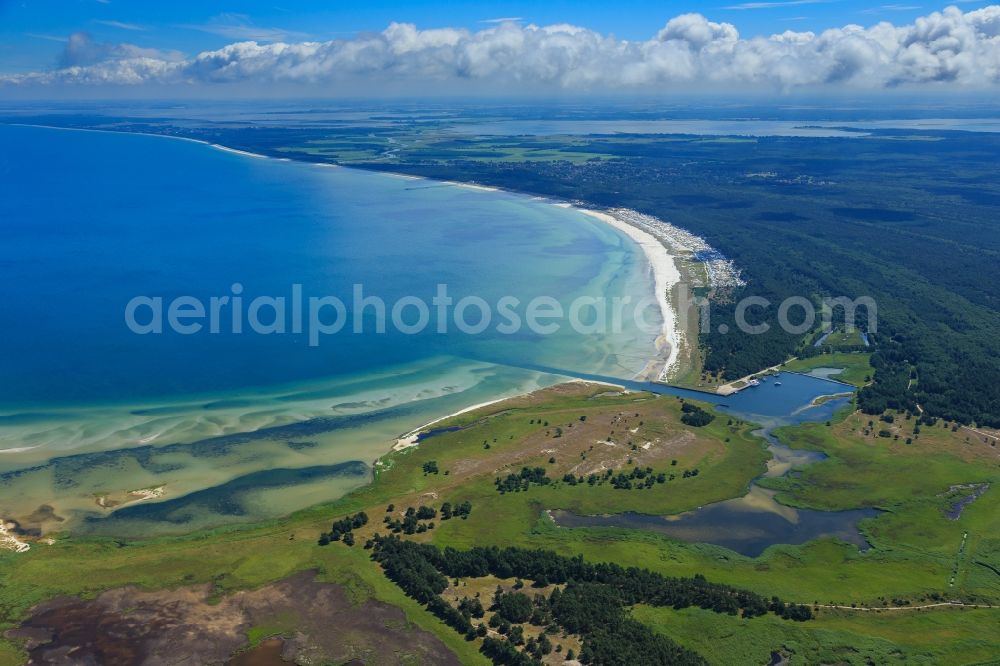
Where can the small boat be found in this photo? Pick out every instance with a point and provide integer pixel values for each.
(777, 383)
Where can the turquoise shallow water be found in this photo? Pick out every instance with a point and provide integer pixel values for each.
(87, 407)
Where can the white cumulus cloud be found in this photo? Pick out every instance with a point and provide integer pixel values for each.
(946, 47)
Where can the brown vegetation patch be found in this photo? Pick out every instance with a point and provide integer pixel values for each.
(646, 432)
(131, 627)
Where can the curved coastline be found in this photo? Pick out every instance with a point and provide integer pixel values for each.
(665, 277)
(657, 255)
(142, 437)
(665, 274)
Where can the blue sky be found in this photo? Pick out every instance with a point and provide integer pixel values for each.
(30, 30)
(418, 47)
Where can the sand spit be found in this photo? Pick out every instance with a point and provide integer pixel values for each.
(118, 500)
(410, 439)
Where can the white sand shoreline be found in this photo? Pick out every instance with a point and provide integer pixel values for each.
(472, 186)
(665, 277)
(245, 153)
(9, 540)
(410, 439)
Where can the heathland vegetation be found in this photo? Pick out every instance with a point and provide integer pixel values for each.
(924, 551)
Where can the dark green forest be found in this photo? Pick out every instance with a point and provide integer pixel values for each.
(593, 604)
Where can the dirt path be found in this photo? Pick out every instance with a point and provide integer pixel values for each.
(869, 609)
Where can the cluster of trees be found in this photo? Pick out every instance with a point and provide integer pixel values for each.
(892, 382)
(639, 477)
(636, 585)
(809, 351)
(409, 568)
(430, 467)
(636, 478)
(504, 651)
(796, 612)
(458, 511)
(592, 604)
(695, 416)
(420, 519)
(472, 607)
(514, 483)
(733, 354)
(410, 524)
(514, 607)
(622, 481)
(593, 611)
(596, 611)
(342, 529)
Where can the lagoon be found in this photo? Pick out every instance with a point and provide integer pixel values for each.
(750, 524)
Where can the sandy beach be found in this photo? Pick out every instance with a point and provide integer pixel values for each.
(410, 438)
(472, 186)
(665, 277)
(9, 540)
(238, 152)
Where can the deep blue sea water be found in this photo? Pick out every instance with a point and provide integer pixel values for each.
(93, 219)
(88, 408)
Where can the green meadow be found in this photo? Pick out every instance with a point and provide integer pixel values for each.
(914, 558)
(856, 369)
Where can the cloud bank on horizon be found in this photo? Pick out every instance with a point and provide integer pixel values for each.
(946, 47)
